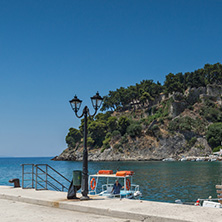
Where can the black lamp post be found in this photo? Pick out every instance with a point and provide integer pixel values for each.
(75, 104)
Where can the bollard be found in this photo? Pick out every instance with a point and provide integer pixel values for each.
(15, 181)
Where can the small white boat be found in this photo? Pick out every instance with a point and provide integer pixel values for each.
(130, 190)
(208, 203)
(169, 159)
(200, 159)
(183, 159)
(211, 202)
(212, 160)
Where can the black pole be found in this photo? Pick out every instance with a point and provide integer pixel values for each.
(75, 104)
(84, 190)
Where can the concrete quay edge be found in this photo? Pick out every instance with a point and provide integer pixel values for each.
(124, 209)
(86, 209)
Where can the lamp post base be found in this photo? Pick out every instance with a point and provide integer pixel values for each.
(84, 198)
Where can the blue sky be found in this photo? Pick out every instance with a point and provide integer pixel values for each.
(51, 50)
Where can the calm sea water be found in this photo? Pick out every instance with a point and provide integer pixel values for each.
(159, 181)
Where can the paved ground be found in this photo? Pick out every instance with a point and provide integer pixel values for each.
(98, 207)
(13, 211)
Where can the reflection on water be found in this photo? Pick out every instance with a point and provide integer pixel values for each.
(159, 181)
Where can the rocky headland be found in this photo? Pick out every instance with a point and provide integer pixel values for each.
(173, 125)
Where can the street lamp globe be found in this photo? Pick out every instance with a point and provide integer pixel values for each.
(96, 101)
(75, 104)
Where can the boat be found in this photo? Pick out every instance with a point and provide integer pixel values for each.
(212, 202)
(208, 203)
(169, 159)
(130, 190)
(200, 159)
(183, 159)
(212, 158)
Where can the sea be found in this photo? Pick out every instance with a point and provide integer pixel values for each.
(158, 180)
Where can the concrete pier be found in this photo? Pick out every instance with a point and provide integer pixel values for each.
(123, 210)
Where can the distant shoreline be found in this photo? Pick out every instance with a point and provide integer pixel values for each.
(26, 157)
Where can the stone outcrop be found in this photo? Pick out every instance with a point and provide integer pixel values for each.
(138, 150)
(214, 90)
(192, 95)
(201, 148)
(177, 108)
(67, 154)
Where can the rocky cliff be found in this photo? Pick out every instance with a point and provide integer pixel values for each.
(175, 147)
(180, 132)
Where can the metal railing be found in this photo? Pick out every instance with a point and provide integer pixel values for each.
(40, 179)
(31, 185)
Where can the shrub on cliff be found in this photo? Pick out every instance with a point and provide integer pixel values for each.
(214, 134)
(116, 134)
(90, 142)
(181, 124)
(112, 123)
(216, 149)
(73, 137)
(106, 143)
(124, 139)
(97, 130)
(211, 114)
(123, 123)
(192, 141)
(134, 129)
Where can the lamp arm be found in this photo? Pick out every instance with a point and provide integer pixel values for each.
(93, 113)
(80, 115)
(76, 112)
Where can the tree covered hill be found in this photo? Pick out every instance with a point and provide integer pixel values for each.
(150, 121)
(146, 91)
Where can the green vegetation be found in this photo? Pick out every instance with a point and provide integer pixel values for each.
(211, 112)
(214, 134)
(134, 130)
(112, 123)
(97, 131)
(140, 110)
(146, 91)
(116, 133)
(192, 141)
(216, 149)
(123, 123)
(106, 141)
(102, 129)
(90, 142)
(73, 137)
(183, 124)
